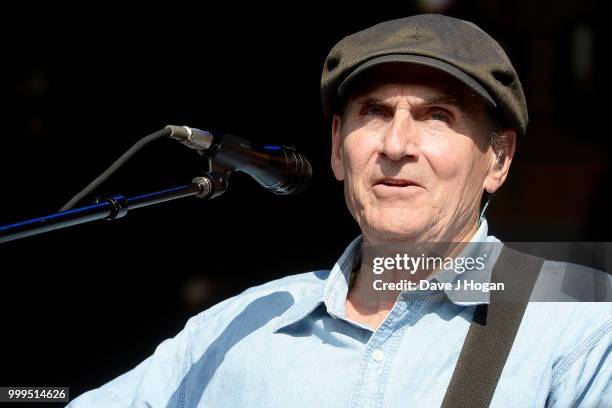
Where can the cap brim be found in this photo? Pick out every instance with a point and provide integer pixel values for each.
(449, 69)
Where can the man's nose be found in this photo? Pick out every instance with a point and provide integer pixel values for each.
(401, 138)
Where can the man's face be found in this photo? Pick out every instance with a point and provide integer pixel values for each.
(415, 158)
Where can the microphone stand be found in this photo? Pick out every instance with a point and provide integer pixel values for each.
(109, 208)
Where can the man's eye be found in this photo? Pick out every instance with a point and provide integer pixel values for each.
(439, 115)
(374, 110)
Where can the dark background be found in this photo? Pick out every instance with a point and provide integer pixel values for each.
(80, 86)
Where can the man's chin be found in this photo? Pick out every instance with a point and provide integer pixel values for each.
(383, 232)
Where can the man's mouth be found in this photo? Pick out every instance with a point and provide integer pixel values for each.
(395, 182)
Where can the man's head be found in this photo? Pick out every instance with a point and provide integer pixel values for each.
(419, 131)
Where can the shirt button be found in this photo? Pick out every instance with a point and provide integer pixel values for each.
(378, 355)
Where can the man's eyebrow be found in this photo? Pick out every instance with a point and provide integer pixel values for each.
(443, 100)
(433, 100)
(369, 100)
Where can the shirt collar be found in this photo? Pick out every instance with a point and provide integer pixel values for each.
(482, 245)
(333, 291)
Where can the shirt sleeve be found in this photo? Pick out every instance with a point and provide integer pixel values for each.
(156, 381)
(584, 377)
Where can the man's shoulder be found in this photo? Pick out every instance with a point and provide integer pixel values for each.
(570, 307)
(268, 300)
(572, 297)
(297, 284)
(566, 281)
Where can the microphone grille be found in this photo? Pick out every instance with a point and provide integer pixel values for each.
(301, 177)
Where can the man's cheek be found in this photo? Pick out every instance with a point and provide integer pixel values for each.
(446, 166)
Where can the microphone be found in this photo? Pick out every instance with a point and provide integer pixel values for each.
(280, 169)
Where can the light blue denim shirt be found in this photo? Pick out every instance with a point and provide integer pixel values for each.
(288, 343)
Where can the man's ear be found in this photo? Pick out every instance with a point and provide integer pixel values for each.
(500, 163)
(336, 150)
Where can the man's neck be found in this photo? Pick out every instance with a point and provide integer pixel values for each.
(369, 306)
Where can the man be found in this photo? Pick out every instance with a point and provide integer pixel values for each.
(426, 114)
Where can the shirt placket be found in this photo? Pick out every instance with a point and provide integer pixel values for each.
(377, 358)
